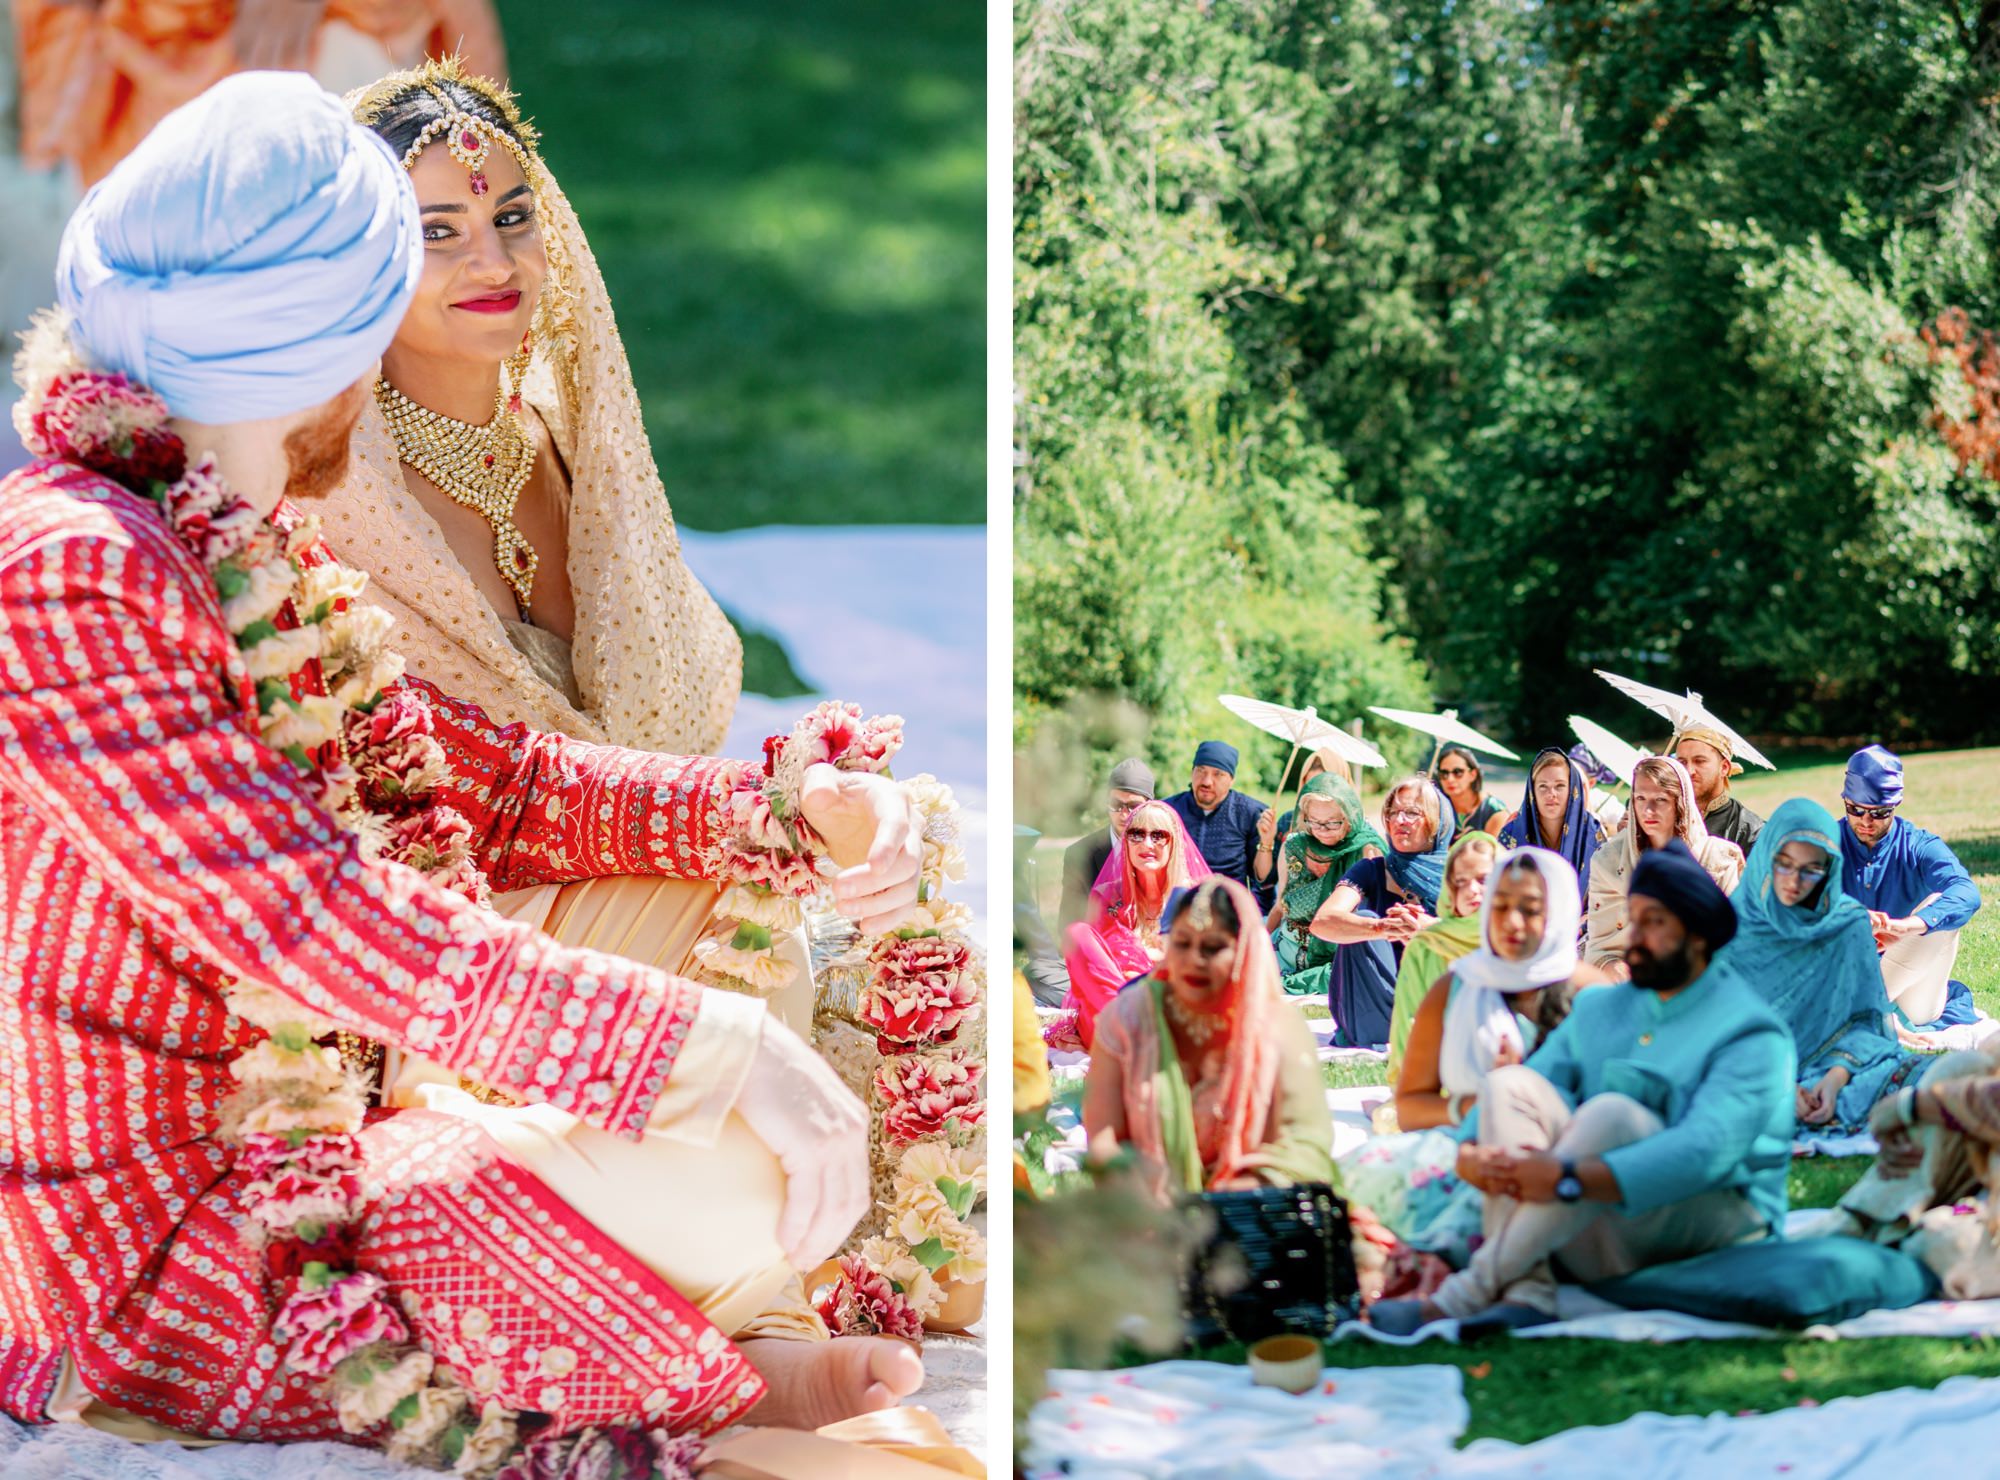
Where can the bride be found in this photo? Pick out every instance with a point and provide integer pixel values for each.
(502, 497)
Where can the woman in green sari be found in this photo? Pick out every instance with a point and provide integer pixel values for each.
(1203, 1069)
(1332, 835)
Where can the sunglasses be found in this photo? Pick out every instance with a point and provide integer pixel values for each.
(1149, 835)
(1873, 814)
(1456, 771)
(1805, 875)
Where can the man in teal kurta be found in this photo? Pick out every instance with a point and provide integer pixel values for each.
(1653, 1125)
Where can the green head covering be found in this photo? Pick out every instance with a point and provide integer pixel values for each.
(1304, 893)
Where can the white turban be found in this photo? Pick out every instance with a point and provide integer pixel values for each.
(251, 258)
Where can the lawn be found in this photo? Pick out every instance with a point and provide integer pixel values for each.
(1527, 1390)
(788, 203)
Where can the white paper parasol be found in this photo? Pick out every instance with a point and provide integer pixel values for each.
(1304, 728)
(1446, 729)
(1607, 747)
(1683, 710)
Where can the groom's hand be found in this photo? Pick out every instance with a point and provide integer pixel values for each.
(873, 834)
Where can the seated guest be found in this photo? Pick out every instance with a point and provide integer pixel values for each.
(1204, 1069)
(1332, 837)
(1378, 906)
(1433, 949)
(1489, 1009)
(1917, 894)
(1710, 758)
(1122, 937)
(1036, 954)
(1931, 1188)
(1663, 808)
(1235, 832)
(1458, 774)
(1806, 949)
(1325, 761)
(1655, 1123)
(1555, 812)
(1083, 860)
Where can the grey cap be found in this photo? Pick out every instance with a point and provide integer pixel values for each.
(1133, 774)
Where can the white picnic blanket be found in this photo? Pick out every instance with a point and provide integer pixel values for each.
(1200, 1421)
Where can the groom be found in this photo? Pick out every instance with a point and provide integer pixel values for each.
(247, 264)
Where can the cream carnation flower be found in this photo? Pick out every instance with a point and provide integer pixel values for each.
(355, 636)
(271, 585)
(318, 1067)
(330, 582)
(283, 653)
(267, 1008)
(490, 1444)
(758, 969)
(929, 1162)
(416, 1436)
(315, 721)
(363, 1405)
(760, 907)
(369, 680)
(342, 1109)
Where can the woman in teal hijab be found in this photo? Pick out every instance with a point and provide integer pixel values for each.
(1807, 947)
(1330, 837)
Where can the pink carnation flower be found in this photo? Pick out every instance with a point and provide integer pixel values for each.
(625, 1453)
(880, 738)
(107, 423)
(319, 1156)
(825, 734)
(917, 1010)
(214, 523)
(925, 1095)
(898, 959)
(433, 840)
(864, 1302)
(393, 750)
(325, 1327)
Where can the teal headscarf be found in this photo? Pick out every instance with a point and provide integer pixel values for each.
(1816, 965)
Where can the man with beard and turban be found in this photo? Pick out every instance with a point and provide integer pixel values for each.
(232, 838)
(1653, 1125)
(1710, 758)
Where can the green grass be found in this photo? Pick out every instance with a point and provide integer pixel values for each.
(788, 203)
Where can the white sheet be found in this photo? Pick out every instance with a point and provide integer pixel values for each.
(1196, 1421)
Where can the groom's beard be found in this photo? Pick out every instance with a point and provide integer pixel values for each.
(317, 451)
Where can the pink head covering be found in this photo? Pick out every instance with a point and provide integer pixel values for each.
(1117, 883)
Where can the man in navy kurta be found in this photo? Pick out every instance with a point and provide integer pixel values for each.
(1233, 832)
(1916, 891)
(1657, 1117)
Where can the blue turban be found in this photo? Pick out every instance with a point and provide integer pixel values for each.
(1874, 778)
(1216, 753)
(251, 258)
(1673, 876)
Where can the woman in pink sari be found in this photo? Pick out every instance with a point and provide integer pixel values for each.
(1204, 1069)
(1121, 939)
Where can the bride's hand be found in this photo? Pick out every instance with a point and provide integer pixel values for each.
(873, 833)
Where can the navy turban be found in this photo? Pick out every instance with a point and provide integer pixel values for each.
(251, 258)
(1672, 876)
(1874, 778)
(1217, 753)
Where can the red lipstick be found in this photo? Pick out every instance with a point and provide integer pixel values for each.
(505, 302)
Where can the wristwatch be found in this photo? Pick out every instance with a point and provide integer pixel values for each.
(1569, 1188)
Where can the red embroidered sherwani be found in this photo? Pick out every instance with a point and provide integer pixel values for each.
(151, 850)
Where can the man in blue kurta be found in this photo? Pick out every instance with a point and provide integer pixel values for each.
(1653, 1125)
(1234, 832)
(1918, 895)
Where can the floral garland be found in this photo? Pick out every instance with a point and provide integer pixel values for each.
(321, 668)
(925, 985)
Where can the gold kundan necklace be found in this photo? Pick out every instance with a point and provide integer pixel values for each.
(482, 467)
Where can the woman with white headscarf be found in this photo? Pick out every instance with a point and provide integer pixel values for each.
(1663, 807)
(1490, 1008)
